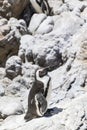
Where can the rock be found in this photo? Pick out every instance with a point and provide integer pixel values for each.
(19, 25)
(3, 21)
(43, 25)
(13, 67)
(20, 83)
(4, 30)
(56, 4)
(22, 49)
(68, 27)
(84, 14)
(46, 26)
(10, 34)
(74, 116)
(10, 8)
(10, 106)
(40, 52)
(2, 73)
(2, 90)
(15, 120)
(15, 88)
(33, 24)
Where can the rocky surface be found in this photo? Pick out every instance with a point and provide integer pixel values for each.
(13, 67)
(42, 21)
(11, 8)
(10, 34)
(58, 41)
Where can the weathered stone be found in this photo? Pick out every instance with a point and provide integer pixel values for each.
(13, 67)
(33, 24)
(67, 27)
(46, 26)
(40, 52)
(10, 34)
(43, 25)
(10, 106)
(2, 73)
(84, 14)
(2, 90)
(11, 8)
(3, 21)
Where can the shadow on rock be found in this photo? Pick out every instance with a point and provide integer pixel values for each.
(53, 111)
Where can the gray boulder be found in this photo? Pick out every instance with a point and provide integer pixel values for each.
(10, 33)
(40, 51)
(23, 83)
(2, 73)
(13, 67)
(10, 106)
(67, 27)
(40, 24)
(2, 90)
(11, 8)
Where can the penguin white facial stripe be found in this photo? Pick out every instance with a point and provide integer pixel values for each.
(36, 6)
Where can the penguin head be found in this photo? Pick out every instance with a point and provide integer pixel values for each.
(43, 72)
(41, 104)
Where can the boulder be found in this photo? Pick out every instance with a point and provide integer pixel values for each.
(12, 8)
(2, 73)
(2, 90)
(40, 24)
(40, 51)
(13, 67)
(10, 106)
(67, 27)
(10, 33)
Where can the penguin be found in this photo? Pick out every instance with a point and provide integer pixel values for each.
(42, 75)
(39, 95)
(41, 6)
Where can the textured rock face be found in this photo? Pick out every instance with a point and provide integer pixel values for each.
(12, 8)
(44, 54)
(10, 107)
(41, 24)
(10, 33)
(13, 67)
(63, 49)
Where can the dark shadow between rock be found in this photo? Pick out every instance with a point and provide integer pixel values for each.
(53, 111)
(50, 112)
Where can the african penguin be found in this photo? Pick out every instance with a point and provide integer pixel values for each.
(42, 6)
(39, 95)
(42, 75)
